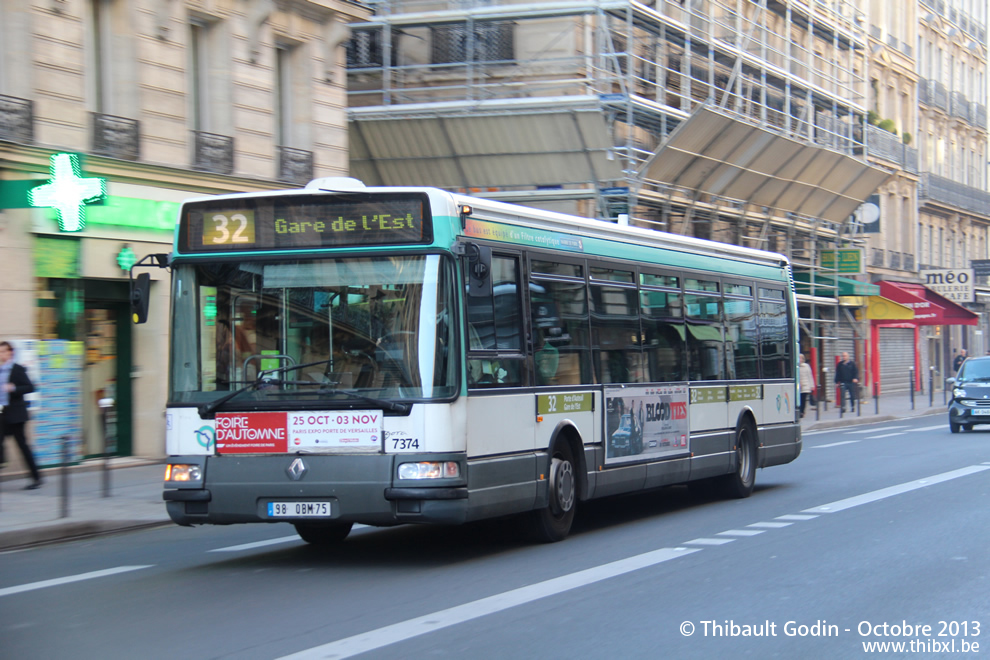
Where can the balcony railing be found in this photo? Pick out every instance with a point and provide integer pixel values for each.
(16, 119)
(295, 165)
(959, 106)
(213, 153)
(938, 95)
(116, 137)
(877, 257)
(952, 193)
(978, 114)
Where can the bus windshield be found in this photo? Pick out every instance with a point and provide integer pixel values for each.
(309, 332)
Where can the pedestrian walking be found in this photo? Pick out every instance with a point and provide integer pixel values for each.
(957, 362)
(14, 384)
(806, 382)
(847, 378)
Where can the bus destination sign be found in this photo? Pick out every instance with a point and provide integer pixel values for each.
(259, 223)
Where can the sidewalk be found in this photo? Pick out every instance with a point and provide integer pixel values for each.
(30, 517)
(888, 407)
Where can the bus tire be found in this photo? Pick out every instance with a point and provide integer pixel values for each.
(739, 483)
(553, 522)
(324, 534)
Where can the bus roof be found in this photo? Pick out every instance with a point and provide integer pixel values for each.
(531, 217)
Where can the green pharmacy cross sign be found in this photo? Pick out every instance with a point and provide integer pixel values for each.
(68, 192)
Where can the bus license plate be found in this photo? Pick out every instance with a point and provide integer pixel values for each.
(980, 411)
(298, 509)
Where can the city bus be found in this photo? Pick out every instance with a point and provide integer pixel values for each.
(345, 354)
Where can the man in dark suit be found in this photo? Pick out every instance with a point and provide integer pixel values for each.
(14, 384)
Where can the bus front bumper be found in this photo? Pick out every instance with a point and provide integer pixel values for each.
(358, 488)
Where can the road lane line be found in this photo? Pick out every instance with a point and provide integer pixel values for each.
(258, 544)
(835, 444)
(281, 539)
(940, 427)
(9, 591)
(871, 430)
(771, 525)
(404, 630)
(707, 541)
(885, 435)
(883, 493)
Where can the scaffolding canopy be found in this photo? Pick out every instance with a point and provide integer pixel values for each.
(718, 154)
(538, 142)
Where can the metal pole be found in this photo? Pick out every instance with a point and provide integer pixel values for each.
(106, 405)
(825, 389)
(876, 398)
(65, 478)
(911, 388)
(931, 386)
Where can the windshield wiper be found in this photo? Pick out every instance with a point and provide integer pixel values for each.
(378, 403)
(207, 410)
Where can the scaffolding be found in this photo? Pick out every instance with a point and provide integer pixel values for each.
(791, 68)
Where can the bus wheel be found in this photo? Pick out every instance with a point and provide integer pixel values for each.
(325, 534)
(740, 483)
(553, 523)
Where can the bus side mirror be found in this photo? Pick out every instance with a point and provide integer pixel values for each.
(479, 271)
(140, 297)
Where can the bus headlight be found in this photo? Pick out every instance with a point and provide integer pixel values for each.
(430, 470)
(182, 472)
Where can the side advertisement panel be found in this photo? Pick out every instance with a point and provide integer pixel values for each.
(647, 422)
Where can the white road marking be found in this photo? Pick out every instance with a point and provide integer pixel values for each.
(885, 435)
(771, 525)
(873, 430)
(940, 427)
(399, 632)
(404, 630)
(707, 541)
(258, 544)
(69, 579)
(883, 493)
(262, 544)
(835, 444)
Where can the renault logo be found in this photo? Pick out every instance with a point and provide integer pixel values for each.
(296, 470)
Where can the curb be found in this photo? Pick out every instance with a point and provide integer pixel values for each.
(852, 420)
(71, 531)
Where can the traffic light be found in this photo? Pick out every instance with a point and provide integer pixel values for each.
(140, 296)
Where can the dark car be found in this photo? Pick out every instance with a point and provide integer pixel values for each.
(622, 437)
(970, 402)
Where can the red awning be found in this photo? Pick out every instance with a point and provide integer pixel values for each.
(929, 307)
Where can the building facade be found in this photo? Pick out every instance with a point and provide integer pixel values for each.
(161, 101)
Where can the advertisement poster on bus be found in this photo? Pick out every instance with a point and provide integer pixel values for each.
(310, 432)
(646, 422)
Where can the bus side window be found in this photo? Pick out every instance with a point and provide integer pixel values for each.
(494, 330)
(560, 319)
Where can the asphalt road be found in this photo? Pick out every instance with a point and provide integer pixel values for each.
(873, 529)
